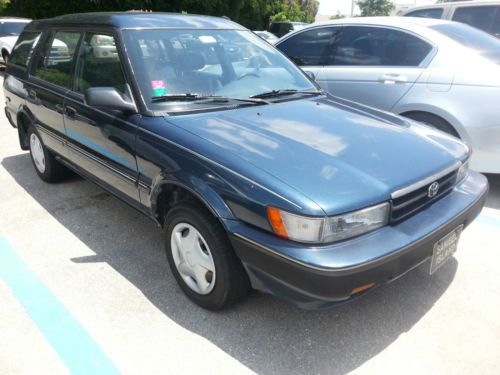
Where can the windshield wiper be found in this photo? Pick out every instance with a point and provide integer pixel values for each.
(273, 93)
(195, 97)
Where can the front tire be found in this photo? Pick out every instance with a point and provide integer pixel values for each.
(46, 165)
(202, 259)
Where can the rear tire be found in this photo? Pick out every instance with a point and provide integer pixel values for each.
(433, 121)
(6, 57)
(46, 166)
(227, 282)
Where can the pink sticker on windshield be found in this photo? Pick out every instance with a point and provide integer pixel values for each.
(158, 87)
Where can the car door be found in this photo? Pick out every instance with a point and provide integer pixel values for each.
(374, 65)
(50, 79)
(102, 141)
(308, 49)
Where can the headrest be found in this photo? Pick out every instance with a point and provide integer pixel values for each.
(189, 61)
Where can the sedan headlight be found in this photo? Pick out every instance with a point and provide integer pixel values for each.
(328, 229)
(462, 171)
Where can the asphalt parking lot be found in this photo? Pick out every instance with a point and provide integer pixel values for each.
(85, 288)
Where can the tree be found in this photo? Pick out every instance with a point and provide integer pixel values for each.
(254, 14)
(375, 7)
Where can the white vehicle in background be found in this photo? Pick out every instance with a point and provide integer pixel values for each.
(267, 36)
(103, 46)
(10, 28)
(485, 15)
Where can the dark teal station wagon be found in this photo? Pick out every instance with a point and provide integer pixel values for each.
(259, 178)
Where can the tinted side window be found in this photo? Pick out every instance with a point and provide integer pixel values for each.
(98, 64)
(24, 47)
(480, 17)
(55, 63)
(309, 47)
(426, 13)
(376, 46)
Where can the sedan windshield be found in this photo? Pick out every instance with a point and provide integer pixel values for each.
(483, 43)
(12, 28)
(185, 70)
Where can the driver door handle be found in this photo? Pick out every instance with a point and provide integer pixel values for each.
(32, 96)
(59, 109)
(71, 112)
(390, 79)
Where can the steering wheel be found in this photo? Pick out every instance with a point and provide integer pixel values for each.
(249, 75)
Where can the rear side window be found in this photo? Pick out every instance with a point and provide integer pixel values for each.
(426, 13)
(377, 46)
(55, 63)
(495, 28)
(98, 64)
(310, 47)
(12, 28)
(480, 16)
(484, 44)
(24, 47)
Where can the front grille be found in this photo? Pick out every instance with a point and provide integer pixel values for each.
(414, 201)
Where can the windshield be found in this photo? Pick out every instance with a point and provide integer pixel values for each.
(11, 28)
(470, 37)
(168, 64)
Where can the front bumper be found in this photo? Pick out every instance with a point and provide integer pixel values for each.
(319, 277)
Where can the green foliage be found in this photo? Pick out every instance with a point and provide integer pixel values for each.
(254, 14)
(375, 7)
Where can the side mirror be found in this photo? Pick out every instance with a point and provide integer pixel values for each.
(310, 75)
(108, 98)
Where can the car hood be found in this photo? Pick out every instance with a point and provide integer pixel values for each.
(341, 155)
(9, 40)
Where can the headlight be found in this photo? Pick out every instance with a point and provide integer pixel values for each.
(462, 171)
(329, 229)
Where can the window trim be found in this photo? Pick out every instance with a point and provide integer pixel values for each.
(423, 64)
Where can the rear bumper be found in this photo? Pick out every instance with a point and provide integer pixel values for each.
(320, 277)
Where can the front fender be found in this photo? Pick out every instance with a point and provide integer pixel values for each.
(195, 186)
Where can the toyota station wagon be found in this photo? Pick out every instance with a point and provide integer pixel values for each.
(260, 179)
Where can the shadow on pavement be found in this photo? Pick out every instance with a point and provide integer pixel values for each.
(262, 333)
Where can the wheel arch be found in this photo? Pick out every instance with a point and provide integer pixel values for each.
(24, 121)
(454, 122)
(168, 191)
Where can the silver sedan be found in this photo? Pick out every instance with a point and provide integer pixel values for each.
(443, 73)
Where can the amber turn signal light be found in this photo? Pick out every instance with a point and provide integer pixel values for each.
(274, 216)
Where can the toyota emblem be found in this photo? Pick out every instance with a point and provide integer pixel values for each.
(433, 189)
